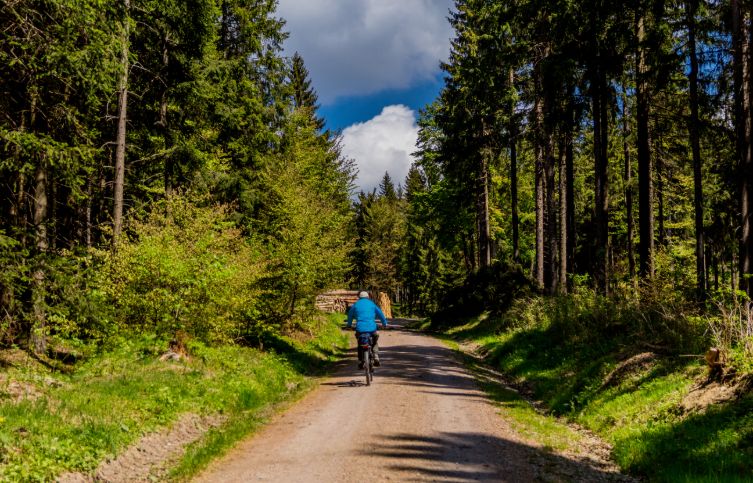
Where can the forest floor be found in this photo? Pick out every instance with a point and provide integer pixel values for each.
(425, 418)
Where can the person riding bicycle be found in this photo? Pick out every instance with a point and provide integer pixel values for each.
(365, 313)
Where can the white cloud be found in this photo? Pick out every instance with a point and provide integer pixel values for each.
(359, 47)
(383, 143)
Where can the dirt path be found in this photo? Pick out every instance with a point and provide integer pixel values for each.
(423, 419)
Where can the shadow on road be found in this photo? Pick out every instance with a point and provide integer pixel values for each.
(434, 368)
(459, 456)
(462, 457)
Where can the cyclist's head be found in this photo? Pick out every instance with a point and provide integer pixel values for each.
(363, 295)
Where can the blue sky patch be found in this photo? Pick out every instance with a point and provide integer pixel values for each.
(349, 110)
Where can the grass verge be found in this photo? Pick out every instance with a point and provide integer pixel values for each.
(633, 397)
(53, 422)
(546, 429)
(312, 357)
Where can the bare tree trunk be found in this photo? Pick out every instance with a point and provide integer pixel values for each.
(539, 181)
(117, 217)
(484, 235)
(695, 144)
(742, 76)
(645, 167)
(551, 251)
(169, 167)
(514, 200)
(88, 228)
(715, 261)
(570, 199)
(628, 178)
(513, 129)
(38, 339)
(20, 210)
(563, 196)
(660, 199)
(601, 197)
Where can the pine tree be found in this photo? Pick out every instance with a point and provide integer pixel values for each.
(304, 96)
(387, 188)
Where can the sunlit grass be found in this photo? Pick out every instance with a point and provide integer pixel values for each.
(72, 422)
(640, 414)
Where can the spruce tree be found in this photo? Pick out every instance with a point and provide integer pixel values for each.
(304, 96)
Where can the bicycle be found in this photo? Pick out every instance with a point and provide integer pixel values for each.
(364, 344)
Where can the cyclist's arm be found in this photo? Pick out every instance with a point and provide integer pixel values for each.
(351, 315)
(381, 316)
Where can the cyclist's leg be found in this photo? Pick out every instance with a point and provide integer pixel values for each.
(360, 351)
(374, 339)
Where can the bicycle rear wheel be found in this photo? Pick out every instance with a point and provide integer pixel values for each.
(367, 366)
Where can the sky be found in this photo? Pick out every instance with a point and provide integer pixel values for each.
(374, 64)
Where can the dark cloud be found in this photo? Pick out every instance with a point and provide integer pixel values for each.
(359, 47)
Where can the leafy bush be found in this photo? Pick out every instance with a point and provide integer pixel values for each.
(184, 267)
(585, 316)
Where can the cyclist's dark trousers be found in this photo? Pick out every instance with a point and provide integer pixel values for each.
(374, 346)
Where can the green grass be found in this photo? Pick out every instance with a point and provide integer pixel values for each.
(109, 401)
(546, 429)
(312, 358)
(639, 413)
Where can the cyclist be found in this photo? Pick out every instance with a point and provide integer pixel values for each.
(365, 312)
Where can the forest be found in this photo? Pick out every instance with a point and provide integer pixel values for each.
(163, 171)
(589, 148)
(582, 187)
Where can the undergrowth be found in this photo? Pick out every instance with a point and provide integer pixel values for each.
(617, 368)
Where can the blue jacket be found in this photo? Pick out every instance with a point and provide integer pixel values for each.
(365, 312)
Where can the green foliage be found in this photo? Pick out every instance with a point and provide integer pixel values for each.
(491, 289)
(304, 218)
(184, 267)
(11, 284)
(610, 381)
(380, 225)
(304, 96)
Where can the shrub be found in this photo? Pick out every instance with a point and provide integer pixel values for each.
(184, 267)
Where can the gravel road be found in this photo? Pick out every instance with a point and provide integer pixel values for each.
(422, 419)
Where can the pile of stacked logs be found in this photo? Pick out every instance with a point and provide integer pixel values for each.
(340, 300)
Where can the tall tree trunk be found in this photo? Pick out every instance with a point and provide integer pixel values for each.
(564, 218)
(695, 145)
(20, 211)
(660, 200)
(88, 216)
(601, 195)
(570, 199)
(741, 32)
(484, 235)
(37, 336)
(552, 240)
(604, 224)
(645, 167)
(38, 339)
(169, 167)
(513, 130)
(628, 179)
(715, 262)
(514, 200)
(120, 142)
(539, 179)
